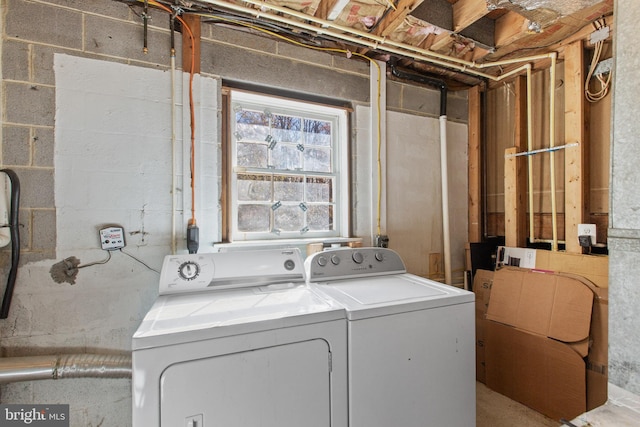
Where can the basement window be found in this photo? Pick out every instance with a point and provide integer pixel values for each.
(288, 169)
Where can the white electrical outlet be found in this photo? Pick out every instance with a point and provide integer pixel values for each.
(588, 230)
(112, 238)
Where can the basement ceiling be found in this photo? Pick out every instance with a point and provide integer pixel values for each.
(458, 40)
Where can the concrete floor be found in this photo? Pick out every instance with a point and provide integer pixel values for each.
(496, 410)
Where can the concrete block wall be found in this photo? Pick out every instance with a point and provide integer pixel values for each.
(624, 219)
(100, 312)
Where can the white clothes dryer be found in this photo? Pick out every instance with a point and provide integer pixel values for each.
(411, 341)
(239, 339)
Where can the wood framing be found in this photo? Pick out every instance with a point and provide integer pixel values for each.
(475, 165)
(466, 12)
(191, 48)
(576, 177)
(520, 142)
(510, 198)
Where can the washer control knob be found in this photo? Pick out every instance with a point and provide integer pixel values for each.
(357, 257)
(289, 264)
(189, 270)
(379, 256)
(322, 260)
(335, 259)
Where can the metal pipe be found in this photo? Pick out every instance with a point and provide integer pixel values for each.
(30, 368)
(541, 150)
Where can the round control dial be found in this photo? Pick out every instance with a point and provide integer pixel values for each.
(379, 256)
(189, 270)
(357, 257)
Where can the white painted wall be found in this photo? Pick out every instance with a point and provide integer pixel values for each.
(113, 165)
(414, 193)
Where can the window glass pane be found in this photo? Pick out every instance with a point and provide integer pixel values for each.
(320, 217)
(286, 171)
(317, 132)
(252, 155)
(319, 189)
(286, 128)
(251, 125)
(253, 218)
(289, 218)
(286, 157)
(288, 188)
(317, 160)
(254, 187)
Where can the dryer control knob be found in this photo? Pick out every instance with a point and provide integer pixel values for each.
(335, 259)
(322, 260)
(379, 256)
(357, 257)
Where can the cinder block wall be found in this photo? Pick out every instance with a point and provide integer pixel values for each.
(32, 33)
(624, 220)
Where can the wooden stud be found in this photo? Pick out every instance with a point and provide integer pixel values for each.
(520, 116)
(576, 177)
(466, 12)
(510, 198)
(475, 166)
(191, 48)
(509, 28)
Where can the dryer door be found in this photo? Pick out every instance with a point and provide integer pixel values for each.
(280, 386)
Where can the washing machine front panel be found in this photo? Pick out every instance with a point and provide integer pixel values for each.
(281, 386)
(413, 369)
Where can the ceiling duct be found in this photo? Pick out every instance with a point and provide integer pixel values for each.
(543, 13)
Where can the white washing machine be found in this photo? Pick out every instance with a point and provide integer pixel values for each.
(411, 341)
(239, 339)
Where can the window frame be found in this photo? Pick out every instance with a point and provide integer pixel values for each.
(339, 116)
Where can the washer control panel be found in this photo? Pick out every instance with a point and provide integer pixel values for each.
(343, 263)
(224, 270)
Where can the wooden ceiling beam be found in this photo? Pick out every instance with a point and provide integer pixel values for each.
(510, 27)
(466, 12)
(393, 20)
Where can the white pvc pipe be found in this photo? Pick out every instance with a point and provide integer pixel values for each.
(529, 148)
(173, 151)
(446, 232)
(552, 143)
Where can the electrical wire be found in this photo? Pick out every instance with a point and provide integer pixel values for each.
(192, 162)
(605, 83)
(140, 261)
(97, 262)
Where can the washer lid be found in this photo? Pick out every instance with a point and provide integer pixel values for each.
(384, 295)
(181, 318)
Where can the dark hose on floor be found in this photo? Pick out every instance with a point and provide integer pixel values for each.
(14, 225)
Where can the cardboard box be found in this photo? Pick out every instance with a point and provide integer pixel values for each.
(595, 268)
(482, 288)
(538, 334)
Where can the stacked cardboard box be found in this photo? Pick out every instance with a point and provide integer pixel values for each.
(541, 339)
